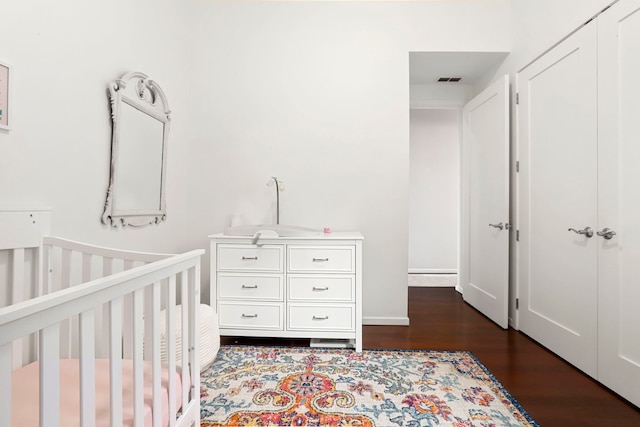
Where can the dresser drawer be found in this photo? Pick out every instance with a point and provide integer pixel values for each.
(247, 286)
(250, 315)
(321, 288)
(250, 258)
(334, 259)
(321, 317)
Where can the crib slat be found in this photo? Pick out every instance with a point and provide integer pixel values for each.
(102, 314)
(17, 278)
(17, 295)
(107, 266)
(65, 282)
(171, 348)
(138, 360)
(184, 333)
(157, 378)
(49, 376)
(194, 330)
(127, 333)
(65, 269)
(87, 259)
(47, 277)
(87, 369)
(5, 384)
(115, 361)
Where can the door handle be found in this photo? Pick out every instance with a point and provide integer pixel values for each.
(499, 226)
(607, 233)
(587, 231)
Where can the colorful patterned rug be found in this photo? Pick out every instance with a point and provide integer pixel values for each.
(277, 386)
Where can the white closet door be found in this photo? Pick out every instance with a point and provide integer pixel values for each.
(619, 198)
(557, 183)
(484, 264)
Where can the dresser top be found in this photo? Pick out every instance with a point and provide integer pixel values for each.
(335, 235)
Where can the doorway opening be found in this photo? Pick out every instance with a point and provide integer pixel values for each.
(436, 102)
(434, 175)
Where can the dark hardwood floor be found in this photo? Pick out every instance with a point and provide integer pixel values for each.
(552, 391)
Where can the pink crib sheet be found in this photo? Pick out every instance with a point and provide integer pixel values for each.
(25, 389)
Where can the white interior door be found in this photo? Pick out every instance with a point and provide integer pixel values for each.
(557, 190)
(484, 248)
(619, 199)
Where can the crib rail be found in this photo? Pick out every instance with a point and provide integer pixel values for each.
(98, 302)
(67, 263)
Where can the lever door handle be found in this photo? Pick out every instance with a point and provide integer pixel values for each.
(499, 226)
(607, 233)
(587, 231)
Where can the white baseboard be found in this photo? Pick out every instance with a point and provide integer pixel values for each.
(433, 280)
(432, 271)
(386, 321)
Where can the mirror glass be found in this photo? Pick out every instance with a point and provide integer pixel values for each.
(140, 143)
(138, 152)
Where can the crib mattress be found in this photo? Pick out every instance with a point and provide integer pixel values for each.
(25, 391)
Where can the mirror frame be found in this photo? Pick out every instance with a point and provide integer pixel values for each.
(135, 89)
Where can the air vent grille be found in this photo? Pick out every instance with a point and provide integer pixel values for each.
(449, 79)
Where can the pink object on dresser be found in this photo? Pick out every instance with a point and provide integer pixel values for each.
(25, 389)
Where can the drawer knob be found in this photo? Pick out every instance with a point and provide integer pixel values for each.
(249, 258)
(320, 317)
(315, 288)
(249, 286)
(320, 259)
(249, 316)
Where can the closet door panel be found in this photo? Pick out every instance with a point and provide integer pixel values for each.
(619, 198)
(557, 183)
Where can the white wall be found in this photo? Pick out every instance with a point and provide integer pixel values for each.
(440, 95)
(316, 93)
(64, 54)
(434, 190)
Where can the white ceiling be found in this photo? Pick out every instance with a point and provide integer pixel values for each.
(427, 67)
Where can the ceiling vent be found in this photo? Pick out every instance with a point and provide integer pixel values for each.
(449, 79)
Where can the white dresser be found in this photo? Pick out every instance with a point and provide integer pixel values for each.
(289, 287)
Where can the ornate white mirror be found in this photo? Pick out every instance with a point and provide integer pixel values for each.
(140, 115)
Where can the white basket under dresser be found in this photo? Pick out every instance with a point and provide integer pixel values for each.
(289, 287)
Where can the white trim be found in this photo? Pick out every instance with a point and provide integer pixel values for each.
(433, 285)
(433, 271)
(432, 280)
(390, 321)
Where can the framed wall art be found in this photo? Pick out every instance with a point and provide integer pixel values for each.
(5, 96)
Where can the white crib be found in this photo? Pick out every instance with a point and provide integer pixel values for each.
(80, 338)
